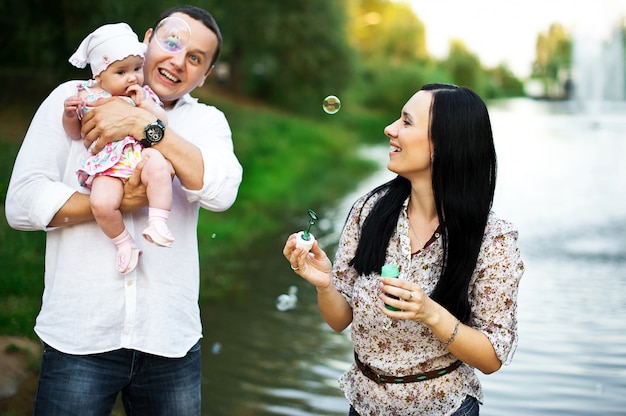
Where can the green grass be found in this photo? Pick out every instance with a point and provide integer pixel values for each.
(21, 257)
(290, 164)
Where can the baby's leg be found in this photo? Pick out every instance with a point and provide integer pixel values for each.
(156, 175)
(106, 197)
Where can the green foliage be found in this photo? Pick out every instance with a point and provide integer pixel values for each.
(384, 87)
(22, 258)
(287, 53)
(290, 164)
(503, 83)
(553, 59)
(465, 68)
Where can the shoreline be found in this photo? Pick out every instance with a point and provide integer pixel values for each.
(19, 360)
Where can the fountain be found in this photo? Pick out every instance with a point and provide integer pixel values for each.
(598, 71)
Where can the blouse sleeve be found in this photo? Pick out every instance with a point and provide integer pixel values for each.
(493, 292)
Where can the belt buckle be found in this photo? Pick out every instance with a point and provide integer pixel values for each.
(379, 379)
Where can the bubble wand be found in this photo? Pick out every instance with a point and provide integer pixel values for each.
(305, 239)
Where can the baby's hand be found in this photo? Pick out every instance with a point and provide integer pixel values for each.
(72, 105)
(136, 93)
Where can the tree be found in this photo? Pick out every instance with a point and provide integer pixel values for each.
(381, 28)
(553, 60)
(464, 67)
(291, 53)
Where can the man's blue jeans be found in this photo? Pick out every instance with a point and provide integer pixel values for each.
(88, 385)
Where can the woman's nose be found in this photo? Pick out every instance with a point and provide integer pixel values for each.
(391, 130)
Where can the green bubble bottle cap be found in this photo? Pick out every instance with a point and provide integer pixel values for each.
(390, 270)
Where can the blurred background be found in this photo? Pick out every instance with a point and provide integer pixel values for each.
(552, 73)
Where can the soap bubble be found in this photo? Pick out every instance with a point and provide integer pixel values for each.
(331, 104)
(173, 34)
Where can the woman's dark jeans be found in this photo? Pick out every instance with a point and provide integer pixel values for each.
(469, 407)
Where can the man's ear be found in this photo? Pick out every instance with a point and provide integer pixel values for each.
(146, 37)
(208, 72)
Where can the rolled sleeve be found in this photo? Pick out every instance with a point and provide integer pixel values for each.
(222, 176)
(211, 132)
(494, 292)
(41, 182)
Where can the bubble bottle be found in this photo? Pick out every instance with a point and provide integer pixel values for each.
(304, 239)
(390, 270)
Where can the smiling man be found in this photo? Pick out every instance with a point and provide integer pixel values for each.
(138, 334)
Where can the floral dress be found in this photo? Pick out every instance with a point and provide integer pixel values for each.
(117, 159)
(403, 347)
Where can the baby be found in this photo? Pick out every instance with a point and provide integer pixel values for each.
(116, 58)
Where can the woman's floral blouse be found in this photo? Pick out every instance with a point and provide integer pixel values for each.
(404, 347)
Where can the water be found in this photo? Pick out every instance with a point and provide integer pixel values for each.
(562, 181)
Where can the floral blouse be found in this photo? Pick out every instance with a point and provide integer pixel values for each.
(404, 347)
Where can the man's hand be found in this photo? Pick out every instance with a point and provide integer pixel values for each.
(135, 196)
(112, 119)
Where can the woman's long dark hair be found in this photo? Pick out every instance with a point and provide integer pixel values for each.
(463, 181)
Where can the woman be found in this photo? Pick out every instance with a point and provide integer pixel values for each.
(459, 266)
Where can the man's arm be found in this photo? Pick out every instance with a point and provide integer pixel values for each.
(112, 120)
(77, 209)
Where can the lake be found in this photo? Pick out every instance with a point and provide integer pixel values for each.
(562, 182)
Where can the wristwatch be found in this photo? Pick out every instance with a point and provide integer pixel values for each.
(153, 133)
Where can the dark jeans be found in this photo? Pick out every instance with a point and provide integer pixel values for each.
(88, 385)
(469, 407)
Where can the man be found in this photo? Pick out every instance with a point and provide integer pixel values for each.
(137, 334)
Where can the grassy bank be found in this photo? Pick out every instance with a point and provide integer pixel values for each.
(290, 164)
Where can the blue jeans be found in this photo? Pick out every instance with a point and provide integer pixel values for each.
(469, 407)
(88, 385)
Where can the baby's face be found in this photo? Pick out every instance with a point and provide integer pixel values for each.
(122, 74)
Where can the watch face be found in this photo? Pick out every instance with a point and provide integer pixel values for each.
(154, 133)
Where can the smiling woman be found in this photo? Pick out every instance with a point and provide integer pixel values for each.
(452, 308)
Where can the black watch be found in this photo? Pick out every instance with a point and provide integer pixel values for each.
(153, 133)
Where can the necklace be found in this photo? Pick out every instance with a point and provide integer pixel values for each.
(419, 242)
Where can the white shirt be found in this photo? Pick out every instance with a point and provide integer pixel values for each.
(87, 306)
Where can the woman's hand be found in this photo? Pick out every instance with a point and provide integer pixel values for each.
(314, 266)
(413, 303)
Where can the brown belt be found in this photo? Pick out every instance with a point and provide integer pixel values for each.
(372, 375)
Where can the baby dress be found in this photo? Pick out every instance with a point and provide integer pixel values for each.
(117, 159)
